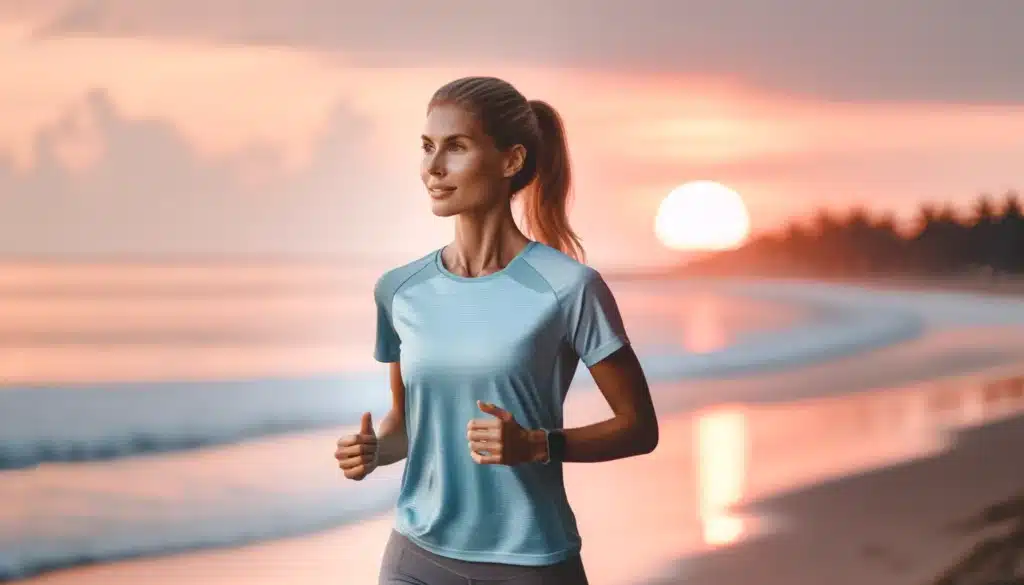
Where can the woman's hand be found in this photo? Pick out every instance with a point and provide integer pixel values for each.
(357, 454)
(500, 440)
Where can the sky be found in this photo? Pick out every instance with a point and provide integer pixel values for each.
(256, 128)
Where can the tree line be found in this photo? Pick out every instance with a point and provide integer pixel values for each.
(987, 237)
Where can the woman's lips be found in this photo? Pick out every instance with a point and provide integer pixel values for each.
(441, 192)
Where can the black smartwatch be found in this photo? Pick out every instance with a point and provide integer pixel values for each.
(556, 445)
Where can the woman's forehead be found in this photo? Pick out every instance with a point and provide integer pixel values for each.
(446, 120)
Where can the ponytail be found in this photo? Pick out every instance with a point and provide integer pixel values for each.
(546, 202)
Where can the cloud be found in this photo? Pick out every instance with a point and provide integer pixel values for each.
(146, 192)
(912, 50)
(37, 9)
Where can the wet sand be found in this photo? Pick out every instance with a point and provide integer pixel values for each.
(905, 524)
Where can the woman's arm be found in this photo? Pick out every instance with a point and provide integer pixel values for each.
(392, 440)
(633, 430)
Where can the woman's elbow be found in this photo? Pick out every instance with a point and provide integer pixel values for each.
(651, 443)
(648, 437)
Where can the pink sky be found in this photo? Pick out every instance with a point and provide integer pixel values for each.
(133, 129)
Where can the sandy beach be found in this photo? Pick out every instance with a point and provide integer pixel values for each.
(901, 524)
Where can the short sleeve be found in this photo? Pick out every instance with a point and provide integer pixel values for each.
(388, 343)
(595, 327)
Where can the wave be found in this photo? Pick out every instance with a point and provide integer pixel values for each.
(840, 334)
(89, 423)
(224, 496)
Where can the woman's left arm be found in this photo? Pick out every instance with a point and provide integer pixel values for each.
(594, 323)
(633, 430)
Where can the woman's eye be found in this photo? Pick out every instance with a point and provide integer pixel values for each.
(427, 148)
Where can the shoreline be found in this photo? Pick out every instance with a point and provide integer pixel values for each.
(953, 514)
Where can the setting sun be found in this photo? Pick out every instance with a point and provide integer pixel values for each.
(702, 215)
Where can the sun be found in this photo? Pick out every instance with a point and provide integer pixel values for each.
(702, 215)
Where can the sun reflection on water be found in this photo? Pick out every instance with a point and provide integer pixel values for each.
(722, 451)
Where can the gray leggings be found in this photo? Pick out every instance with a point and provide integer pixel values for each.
(405, 563)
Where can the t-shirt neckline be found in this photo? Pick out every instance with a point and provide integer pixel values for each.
(441, 268)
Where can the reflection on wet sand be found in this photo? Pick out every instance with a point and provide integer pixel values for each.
(760, 453)
(766, 448)
(692, 497)
(722, 453)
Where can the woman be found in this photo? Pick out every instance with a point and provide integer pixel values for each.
(483, 337)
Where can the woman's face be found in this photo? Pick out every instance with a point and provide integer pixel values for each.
(462, 168)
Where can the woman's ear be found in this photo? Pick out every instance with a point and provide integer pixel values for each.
(514, 160)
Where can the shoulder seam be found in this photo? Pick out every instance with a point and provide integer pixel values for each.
(561, 312)
(545, 279)
(398, 287)
(558, 301)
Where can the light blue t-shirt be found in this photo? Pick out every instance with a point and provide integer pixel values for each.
(514, 338)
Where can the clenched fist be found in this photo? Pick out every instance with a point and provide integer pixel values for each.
(357, 454)
(500, 440)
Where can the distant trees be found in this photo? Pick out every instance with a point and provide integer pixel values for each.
(988, 238)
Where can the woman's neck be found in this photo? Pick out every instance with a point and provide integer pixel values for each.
(484, 244)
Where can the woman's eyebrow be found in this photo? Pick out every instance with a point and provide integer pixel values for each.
(448, 138)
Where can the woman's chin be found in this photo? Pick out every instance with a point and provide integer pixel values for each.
(443, 208)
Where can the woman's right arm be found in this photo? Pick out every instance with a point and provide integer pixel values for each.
(392, 440)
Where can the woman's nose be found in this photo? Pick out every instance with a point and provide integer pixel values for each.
(436, 167)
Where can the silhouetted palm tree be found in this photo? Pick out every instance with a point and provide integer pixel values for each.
(983, 245)
(1009, 235)
(989, 236)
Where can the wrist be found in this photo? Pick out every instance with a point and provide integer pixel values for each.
(537, 440)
